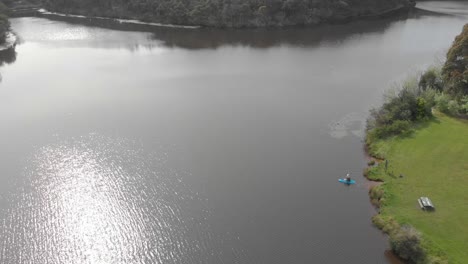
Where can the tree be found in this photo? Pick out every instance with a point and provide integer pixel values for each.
(431, 79)
(4, 28)
(455, 70)
(406, 243)
(224, 13)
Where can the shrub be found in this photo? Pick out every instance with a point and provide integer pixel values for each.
(385, 223)
(396, 128)
(464, 105)
(422, 109)
(400, 109)
(453, 108)
(431, 79)
(376, 195)
(442, 100)
(406, 243)
(429, 96)
(4, 27)
(373, 173)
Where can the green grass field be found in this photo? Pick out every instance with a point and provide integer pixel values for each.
(434, 163)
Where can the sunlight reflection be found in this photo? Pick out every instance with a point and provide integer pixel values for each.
(97, 200)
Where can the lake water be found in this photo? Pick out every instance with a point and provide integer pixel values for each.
(130, 144)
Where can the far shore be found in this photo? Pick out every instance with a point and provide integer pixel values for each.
(337, 20)
(48, 14)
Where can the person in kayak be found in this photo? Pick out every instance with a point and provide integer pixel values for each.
(348, 178)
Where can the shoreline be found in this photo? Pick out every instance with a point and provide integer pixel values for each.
(49, 14)
(373, 185)
(395, 195)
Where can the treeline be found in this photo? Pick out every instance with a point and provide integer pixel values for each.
(230, 13)
(4, 23)
(445, 89)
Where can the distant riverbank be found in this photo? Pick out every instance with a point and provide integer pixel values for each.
(54, 15)
(136, 21)
(235, 15)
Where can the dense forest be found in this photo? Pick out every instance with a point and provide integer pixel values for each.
(455, 70)
(4, 23)
(231, 13)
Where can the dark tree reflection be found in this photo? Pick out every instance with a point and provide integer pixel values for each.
(7, 56)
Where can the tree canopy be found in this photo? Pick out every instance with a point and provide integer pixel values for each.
(230, 13)
(455, 70)
(4, 23)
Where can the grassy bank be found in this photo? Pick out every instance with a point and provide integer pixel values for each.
(431, 161)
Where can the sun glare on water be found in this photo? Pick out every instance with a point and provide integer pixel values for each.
(96, 200)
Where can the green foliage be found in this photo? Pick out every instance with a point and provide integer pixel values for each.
(399, 111)
(4, 23)
(377, 195)
(453, 108)
(406, 243)
(464, 105)
(228, 13)
(431, 79)
(435, 153)
(445, 103)
(422, 109)
(455, 70)
(442, 101)
(395, 128)
(429, 96)
(3, 8)
(385, 223)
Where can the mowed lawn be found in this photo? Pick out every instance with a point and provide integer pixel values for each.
(434, 163)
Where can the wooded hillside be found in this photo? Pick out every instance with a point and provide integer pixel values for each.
(231, 13)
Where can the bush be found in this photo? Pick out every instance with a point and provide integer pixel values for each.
(464, 105)
(400, 109)
(422, 109)
(453, 107)
(374, 173)
(431, 79)
(429, 96)
(376, 195)
(4, 27)
(396, 128)
(406, 243)
(442, 100)
(385, 223)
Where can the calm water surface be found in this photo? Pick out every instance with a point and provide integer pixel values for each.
(123, 145)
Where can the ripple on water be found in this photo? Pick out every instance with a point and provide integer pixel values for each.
(353, 123)
(102, 200)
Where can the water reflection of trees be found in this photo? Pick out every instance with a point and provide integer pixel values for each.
(7, 56)
(292, 36)
(208, 38)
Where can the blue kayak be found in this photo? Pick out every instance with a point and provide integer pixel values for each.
(347, 182)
